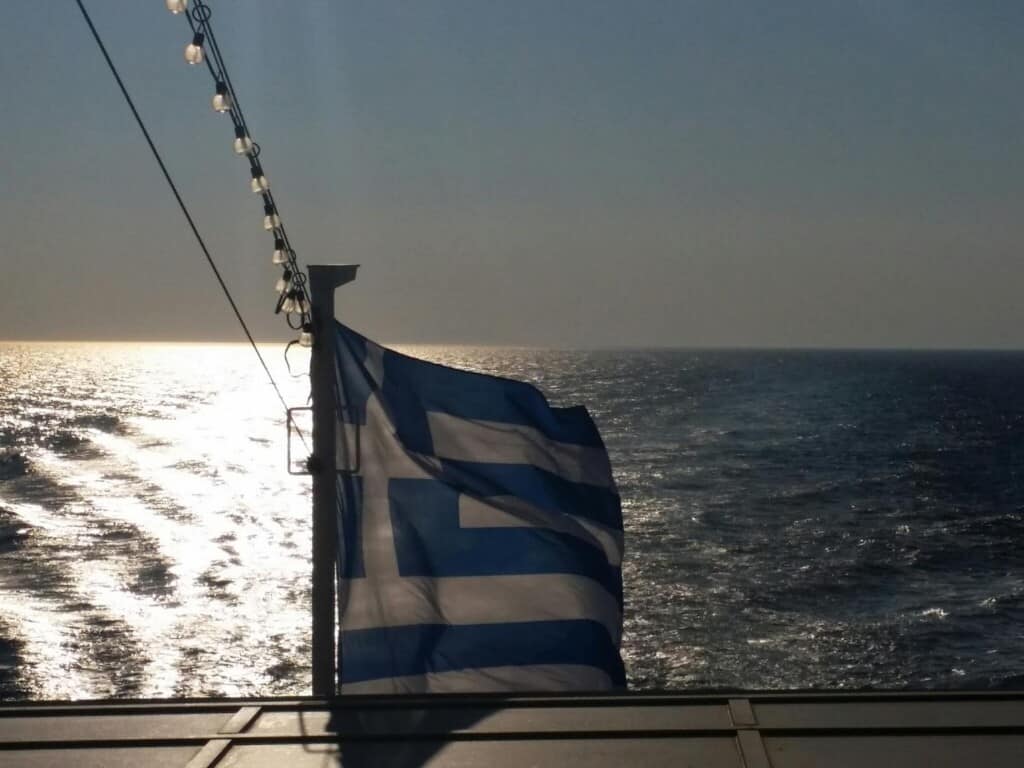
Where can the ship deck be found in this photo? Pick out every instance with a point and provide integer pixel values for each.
(734, 730)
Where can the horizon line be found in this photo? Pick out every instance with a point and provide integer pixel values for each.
(520, 345)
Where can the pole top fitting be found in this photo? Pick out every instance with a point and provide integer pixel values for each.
(334, 275)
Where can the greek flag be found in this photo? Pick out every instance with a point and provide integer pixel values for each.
(480, 533)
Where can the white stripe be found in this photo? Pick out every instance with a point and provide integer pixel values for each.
(513, 512)
(381, 458)
(346, 446)
(374, 362)
(537, 677)
(501, 443)
(396, 602)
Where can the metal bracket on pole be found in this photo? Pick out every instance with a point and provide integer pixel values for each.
(323, 280)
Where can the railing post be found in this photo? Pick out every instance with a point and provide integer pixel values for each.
(323, 279)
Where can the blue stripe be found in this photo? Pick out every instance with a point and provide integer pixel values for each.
(540, 488)
(370, 654)
(354, 383)
(412, 387)
(430, 542)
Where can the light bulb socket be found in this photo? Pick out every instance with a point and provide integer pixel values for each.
(239, 132)
(197, 39)
(278, 244)
(268, 209)
(222, 88)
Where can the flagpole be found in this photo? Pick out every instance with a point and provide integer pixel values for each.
(323, 280)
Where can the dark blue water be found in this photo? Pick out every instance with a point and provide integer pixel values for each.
(822, 519)
(794, 519)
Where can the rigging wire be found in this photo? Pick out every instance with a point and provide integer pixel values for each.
(181, 204)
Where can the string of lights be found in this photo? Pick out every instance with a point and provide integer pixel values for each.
(291, 286)
(184, 208)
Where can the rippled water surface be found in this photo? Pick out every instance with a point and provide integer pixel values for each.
(793, 519)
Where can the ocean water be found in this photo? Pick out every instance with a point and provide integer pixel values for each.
(795, 519)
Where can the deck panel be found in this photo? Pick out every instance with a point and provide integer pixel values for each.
(536, 753)
(148, 757)
(943, 751)
(110, 726)
(936, 713)
(442, 720)
(734, 730)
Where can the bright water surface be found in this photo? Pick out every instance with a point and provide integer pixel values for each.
(793, 519)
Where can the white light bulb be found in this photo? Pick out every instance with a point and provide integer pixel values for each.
(305, 339)
(280, 254)
(221, 102)
(259, 182)
(222, 99)
(289, 305)
(243, 145)
(177, 6)
(282, 282)
(194, 50)
(270, 218)
(194, 53)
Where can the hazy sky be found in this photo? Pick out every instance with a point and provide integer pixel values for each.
(541, 172)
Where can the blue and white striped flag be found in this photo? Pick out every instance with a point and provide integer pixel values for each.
(480, 533)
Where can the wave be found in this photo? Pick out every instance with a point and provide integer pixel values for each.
(39, 517)
(124, 499)
(11, 662)
(88, 604)
(13, 464)
(12, 531)
(69, 443)
(105, 422)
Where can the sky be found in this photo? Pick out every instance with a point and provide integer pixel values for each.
(544, 172)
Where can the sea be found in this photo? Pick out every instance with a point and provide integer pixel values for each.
(829, 520)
